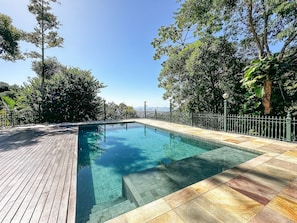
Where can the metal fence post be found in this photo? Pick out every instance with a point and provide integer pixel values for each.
(170, 110)
(225, 115)
(104, 110)
(12, 118)
(144, 109)
(288, 127)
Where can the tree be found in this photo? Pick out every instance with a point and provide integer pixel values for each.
(9, 103)
(4, 87)
(196, 77)
(9, 38)
(112, 111)
(254, 24)
(121, 111)
(284, 92)
(45, 35)
(126, 111)
(11, 97)
(71, 95)
(50, 67)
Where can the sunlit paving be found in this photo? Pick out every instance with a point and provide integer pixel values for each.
(148, 111)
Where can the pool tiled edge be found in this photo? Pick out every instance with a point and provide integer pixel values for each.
(234, 195)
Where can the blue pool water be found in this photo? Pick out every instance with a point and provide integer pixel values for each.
(114, 158)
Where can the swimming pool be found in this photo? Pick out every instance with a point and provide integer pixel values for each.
(123, 166)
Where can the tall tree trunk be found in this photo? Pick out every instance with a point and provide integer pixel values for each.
(42, 59)
(266, 101)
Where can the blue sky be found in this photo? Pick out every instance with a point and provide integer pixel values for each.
(111, 38)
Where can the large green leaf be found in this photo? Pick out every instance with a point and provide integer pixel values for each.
(8, 102)
(259, 91)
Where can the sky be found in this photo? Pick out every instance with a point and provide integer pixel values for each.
(111, 38)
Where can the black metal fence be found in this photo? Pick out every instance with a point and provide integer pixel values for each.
(280, 128)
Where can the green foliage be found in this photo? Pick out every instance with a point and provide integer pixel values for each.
(71, 95)
(8, 102)
(50, 67)
(255, 75)
(32, 95)
(254, 23)
(196, 77)
(254, 26)
(13, 108)
(282, 72)
(11, 97)
(4, 87)
(9, 38)
(121, 111)
(45, 34)
(168, 37)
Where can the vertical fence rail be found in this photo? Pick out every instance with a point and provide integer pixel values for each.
(288, 127)
(294, 129)
(280, 128)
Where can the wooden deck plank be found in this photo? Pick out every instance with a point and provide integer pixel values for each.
(34, 201)
(33, 195)
(71, 214)
(37, 177)
(62, 217)
(18, 185)
(45, 193)
(50, 208)
(29, 190)
(8, 160)
(23, 200)
(52, 193)
(58, 196)
(10, 177)
(18, 162)
(39, 196)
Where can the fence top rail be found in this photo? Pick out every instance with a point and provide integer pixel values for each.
(206, 114)
(258, 117)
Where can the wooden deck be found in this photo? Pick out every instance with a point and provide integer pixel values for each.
(38, 168)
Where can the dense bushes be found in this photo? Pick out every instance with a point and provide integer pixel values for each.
(71, 95)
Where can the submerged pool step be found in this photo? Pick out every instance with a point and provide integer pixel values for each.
(105, 205)
(146, 186)
(104, 214)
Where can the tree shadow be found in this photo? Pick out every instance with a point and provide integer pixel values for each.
(197, 168)
(25, 137)
(168, 178)
(117, 159)
(112, 152)
(122, 158)
(20, 138)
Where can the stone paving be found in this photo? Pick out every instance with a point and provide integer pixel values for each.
(263, 189)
